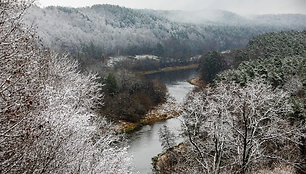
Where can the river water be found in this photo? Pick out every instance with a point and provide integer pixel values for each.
(144, 143)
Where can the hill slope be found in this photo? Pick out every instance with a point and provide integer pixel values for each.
(113, 30)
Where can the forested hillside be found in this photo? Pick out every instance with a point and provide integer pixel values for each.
(107, 30)
(250, 119)
(221, 17)
(271, 45)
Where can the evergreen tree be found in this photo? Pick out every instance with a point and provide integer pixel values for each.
(166, 137)
(210, 65)
(111, 85)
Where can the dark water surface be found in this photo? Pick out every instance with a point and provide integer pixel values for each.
(144, 143)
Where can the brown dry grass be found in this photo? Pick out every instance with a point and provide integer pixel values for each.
(197, 82)
(126, 126)
(279, 169)
(160, 113)
(174, 68)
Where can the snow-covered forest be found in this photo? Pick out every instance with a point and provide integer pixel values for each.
(108, 30)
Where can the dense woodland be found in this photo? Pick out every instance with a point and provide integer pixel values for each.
(129, 96)
(265, 47)
(249, 118)
(106, 30)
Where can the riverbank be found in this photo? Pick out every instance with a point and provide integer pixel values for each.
(197, 82)
(167, 69)
(145, 139)
(162, 112)
(165, 162)
(168, 161)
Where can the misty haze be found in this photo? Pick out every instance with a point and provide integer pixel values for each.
(139, 86)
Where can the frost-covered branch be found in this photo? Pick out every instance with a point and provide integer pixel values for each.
(236, 127)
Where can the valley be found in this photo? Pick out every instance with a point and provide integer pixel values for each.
(109, 89)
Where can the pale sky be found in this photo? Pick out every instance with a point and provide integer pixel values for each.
(237, 6)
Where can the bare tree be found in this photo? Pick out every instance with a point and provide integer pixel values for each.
(236, 129)
(48, 119)
(20, 85)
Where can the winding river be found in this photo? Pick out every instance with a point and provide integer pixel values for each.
(144, 143)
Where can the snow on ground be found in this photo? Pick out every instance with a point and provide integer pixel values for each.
(147, 56)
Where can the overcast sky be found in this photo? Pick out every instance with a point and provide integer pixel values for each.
(238, 6)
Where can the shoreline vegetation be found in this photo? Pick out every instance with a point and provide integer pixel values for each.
(159, 113)
(161, 160)
(167, 69)
(270, 68)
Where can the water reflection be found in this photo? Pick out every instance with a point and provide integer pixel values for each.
(145, 144)
(176, 82)
(179, 90)
(173, 77)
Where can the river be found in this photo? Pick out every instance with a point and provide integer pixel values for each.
(144, 143)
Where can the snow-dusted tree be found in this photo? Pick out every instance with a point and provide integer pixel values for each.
(48, 122)
(236, 129)
(81, 142)
(166, 137)
(20, 85)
